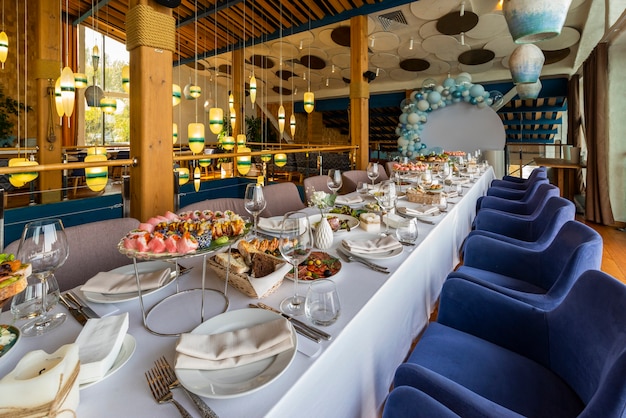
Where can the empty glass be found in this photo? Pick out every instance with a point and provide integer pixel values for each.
(361, 188)
(334, 181)
(322, 302)
(372, 172)
(254, 201)
(406, 232)
(386, 197)
(28, 303)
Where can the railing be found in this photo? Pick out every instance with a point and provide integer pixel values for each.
(520, 157)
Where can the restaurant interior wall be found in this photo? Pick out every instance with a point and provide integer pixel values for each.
(617, 129)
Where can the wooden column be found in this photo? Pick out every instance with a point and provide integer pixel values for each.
(359, 90)
(47, 70)
(152, 179)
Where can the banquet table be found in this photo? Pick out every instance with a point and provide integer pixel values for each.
(349, 376)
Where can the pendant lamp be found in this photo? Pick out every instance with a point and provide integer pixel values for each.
(244, 162)
(174, 133)
(241, 140)
(281, 119)
(176, 94)
(108, 105)
(4, 47)
(292, 125)
(231, 102)
(195, 136)
(266, 158)
(68, 90)
(192, 92)
(309, 101)
(20, 179)
(529, 90)
(96, 177)
(253, 89)
(280, 159)
(126, 78)
(80, 80)
(58, 101)
(535, 20)
(183, 175)
(228, 143)
(233, 119)
(525, 63)
(196, 179)
(216, 120)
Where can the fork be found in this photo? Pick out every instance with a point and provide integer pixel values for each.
(350, 258)
(165, 371)
(162, 393)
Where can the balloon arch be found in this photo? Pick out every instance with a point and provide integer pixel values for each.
(432, 96)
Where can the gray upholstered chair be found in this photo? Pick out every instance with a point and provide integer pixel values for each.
(315, 184)
(352, 178)
(220, 204)
(93, 248)
(281, 198)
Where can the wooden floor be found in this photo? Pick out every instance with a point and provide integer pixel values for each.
(614, 255)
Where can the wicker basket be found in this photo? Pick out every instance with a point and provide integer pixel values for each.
(423, 198)
(240, 282)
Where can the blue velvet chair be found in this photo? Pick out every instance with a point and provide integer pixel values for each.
(516, 194)
(540, 277)
(522, 207)
(489, 355)
(408, 402)
(529, 231)
(520, 183)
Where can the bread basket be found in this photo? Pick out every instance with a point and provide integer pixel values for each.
(242, 282)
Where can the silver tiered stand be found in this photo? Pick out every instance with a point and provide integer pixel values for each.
(204, 253)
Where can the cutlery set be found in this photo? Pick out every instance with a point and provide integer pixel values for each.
(301, 328)
(77, 307)
(350, 258)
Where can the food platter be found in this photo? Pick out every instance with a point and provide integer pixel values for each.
(12, 335)
(346, 222)
(317, 265)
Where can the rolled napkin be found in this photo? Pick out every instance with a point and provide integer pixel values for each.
(99, 343)
(348, 199)
(372, 246)
(233, 348)
(111, 283)
(417, 212)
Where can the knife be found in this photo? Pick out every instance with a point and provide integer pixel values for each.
(373, 266)
(82, 305)
(78, 315)
(297, 327)
(307, 327)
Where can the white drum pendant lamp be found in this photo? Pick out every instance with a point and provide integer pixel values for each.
(535, 20)
(526, 63)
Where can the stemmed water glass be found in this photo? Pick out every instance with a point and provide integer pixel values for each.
(334, 181)
(386, 197)
(296, 243)
(372, 172)
(44, 245)
(254, 201)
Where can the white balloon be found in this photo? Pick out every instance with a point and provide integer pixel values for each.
(423, 105)
(412, 118)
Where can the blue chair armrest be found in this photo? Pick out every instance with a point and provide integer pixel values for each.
(512, 206)
(408, 402)
(453, 396)
(494, 317)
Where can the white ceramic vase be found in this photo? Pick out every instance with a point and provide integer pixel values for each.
(323, 234)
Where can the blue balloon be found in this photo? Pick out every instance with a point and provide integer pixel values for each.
(449, 82)
(456, 94)
(476, 90)
(434, 97)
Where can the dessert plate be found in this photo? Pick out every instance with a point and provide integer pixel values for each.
(128, 348)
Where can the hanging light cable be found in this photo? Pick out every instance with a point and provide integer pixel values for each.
(281, 109)
(68, 85)
(216, 114)
(309, 97)
(195, 131)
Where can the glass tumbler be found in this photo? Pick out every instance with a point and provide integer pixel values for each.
(322, 302)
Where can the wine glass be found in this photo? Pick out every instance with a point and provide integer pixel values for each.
(296, 243)
(44, 245)
(334, 181)
(254, 201)
(407, 232)
(372, 172)
(386, 197)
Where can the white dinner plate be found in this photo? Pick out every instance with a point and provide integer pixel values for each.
(375, 256)
(143, 267)
(126, 351)
(6, 348)
(242, 380)
(351, 220)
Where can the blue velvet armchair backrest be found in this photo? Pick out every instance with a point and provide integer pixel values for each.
(575, 249)
(587, 334)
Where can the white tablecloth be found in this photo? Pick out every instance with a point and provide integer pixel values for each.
(349, 377)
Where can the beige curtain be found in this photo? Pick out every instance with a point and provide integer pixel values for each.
(595, 85)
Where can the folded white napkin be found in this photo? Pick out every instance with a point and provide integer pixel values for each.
(270, 224)
(348, 199)
(393, 220)
(452, 194)
(111, 283)
(233, 348)
(417, 212)
(99, 343)
(372, 246)
(262, 285)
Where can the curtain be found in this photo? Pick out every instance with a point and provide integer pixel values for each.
(595, 85)
(574, 136)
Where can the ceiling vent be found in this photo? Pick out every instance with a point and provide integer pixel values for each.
(388, 20)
